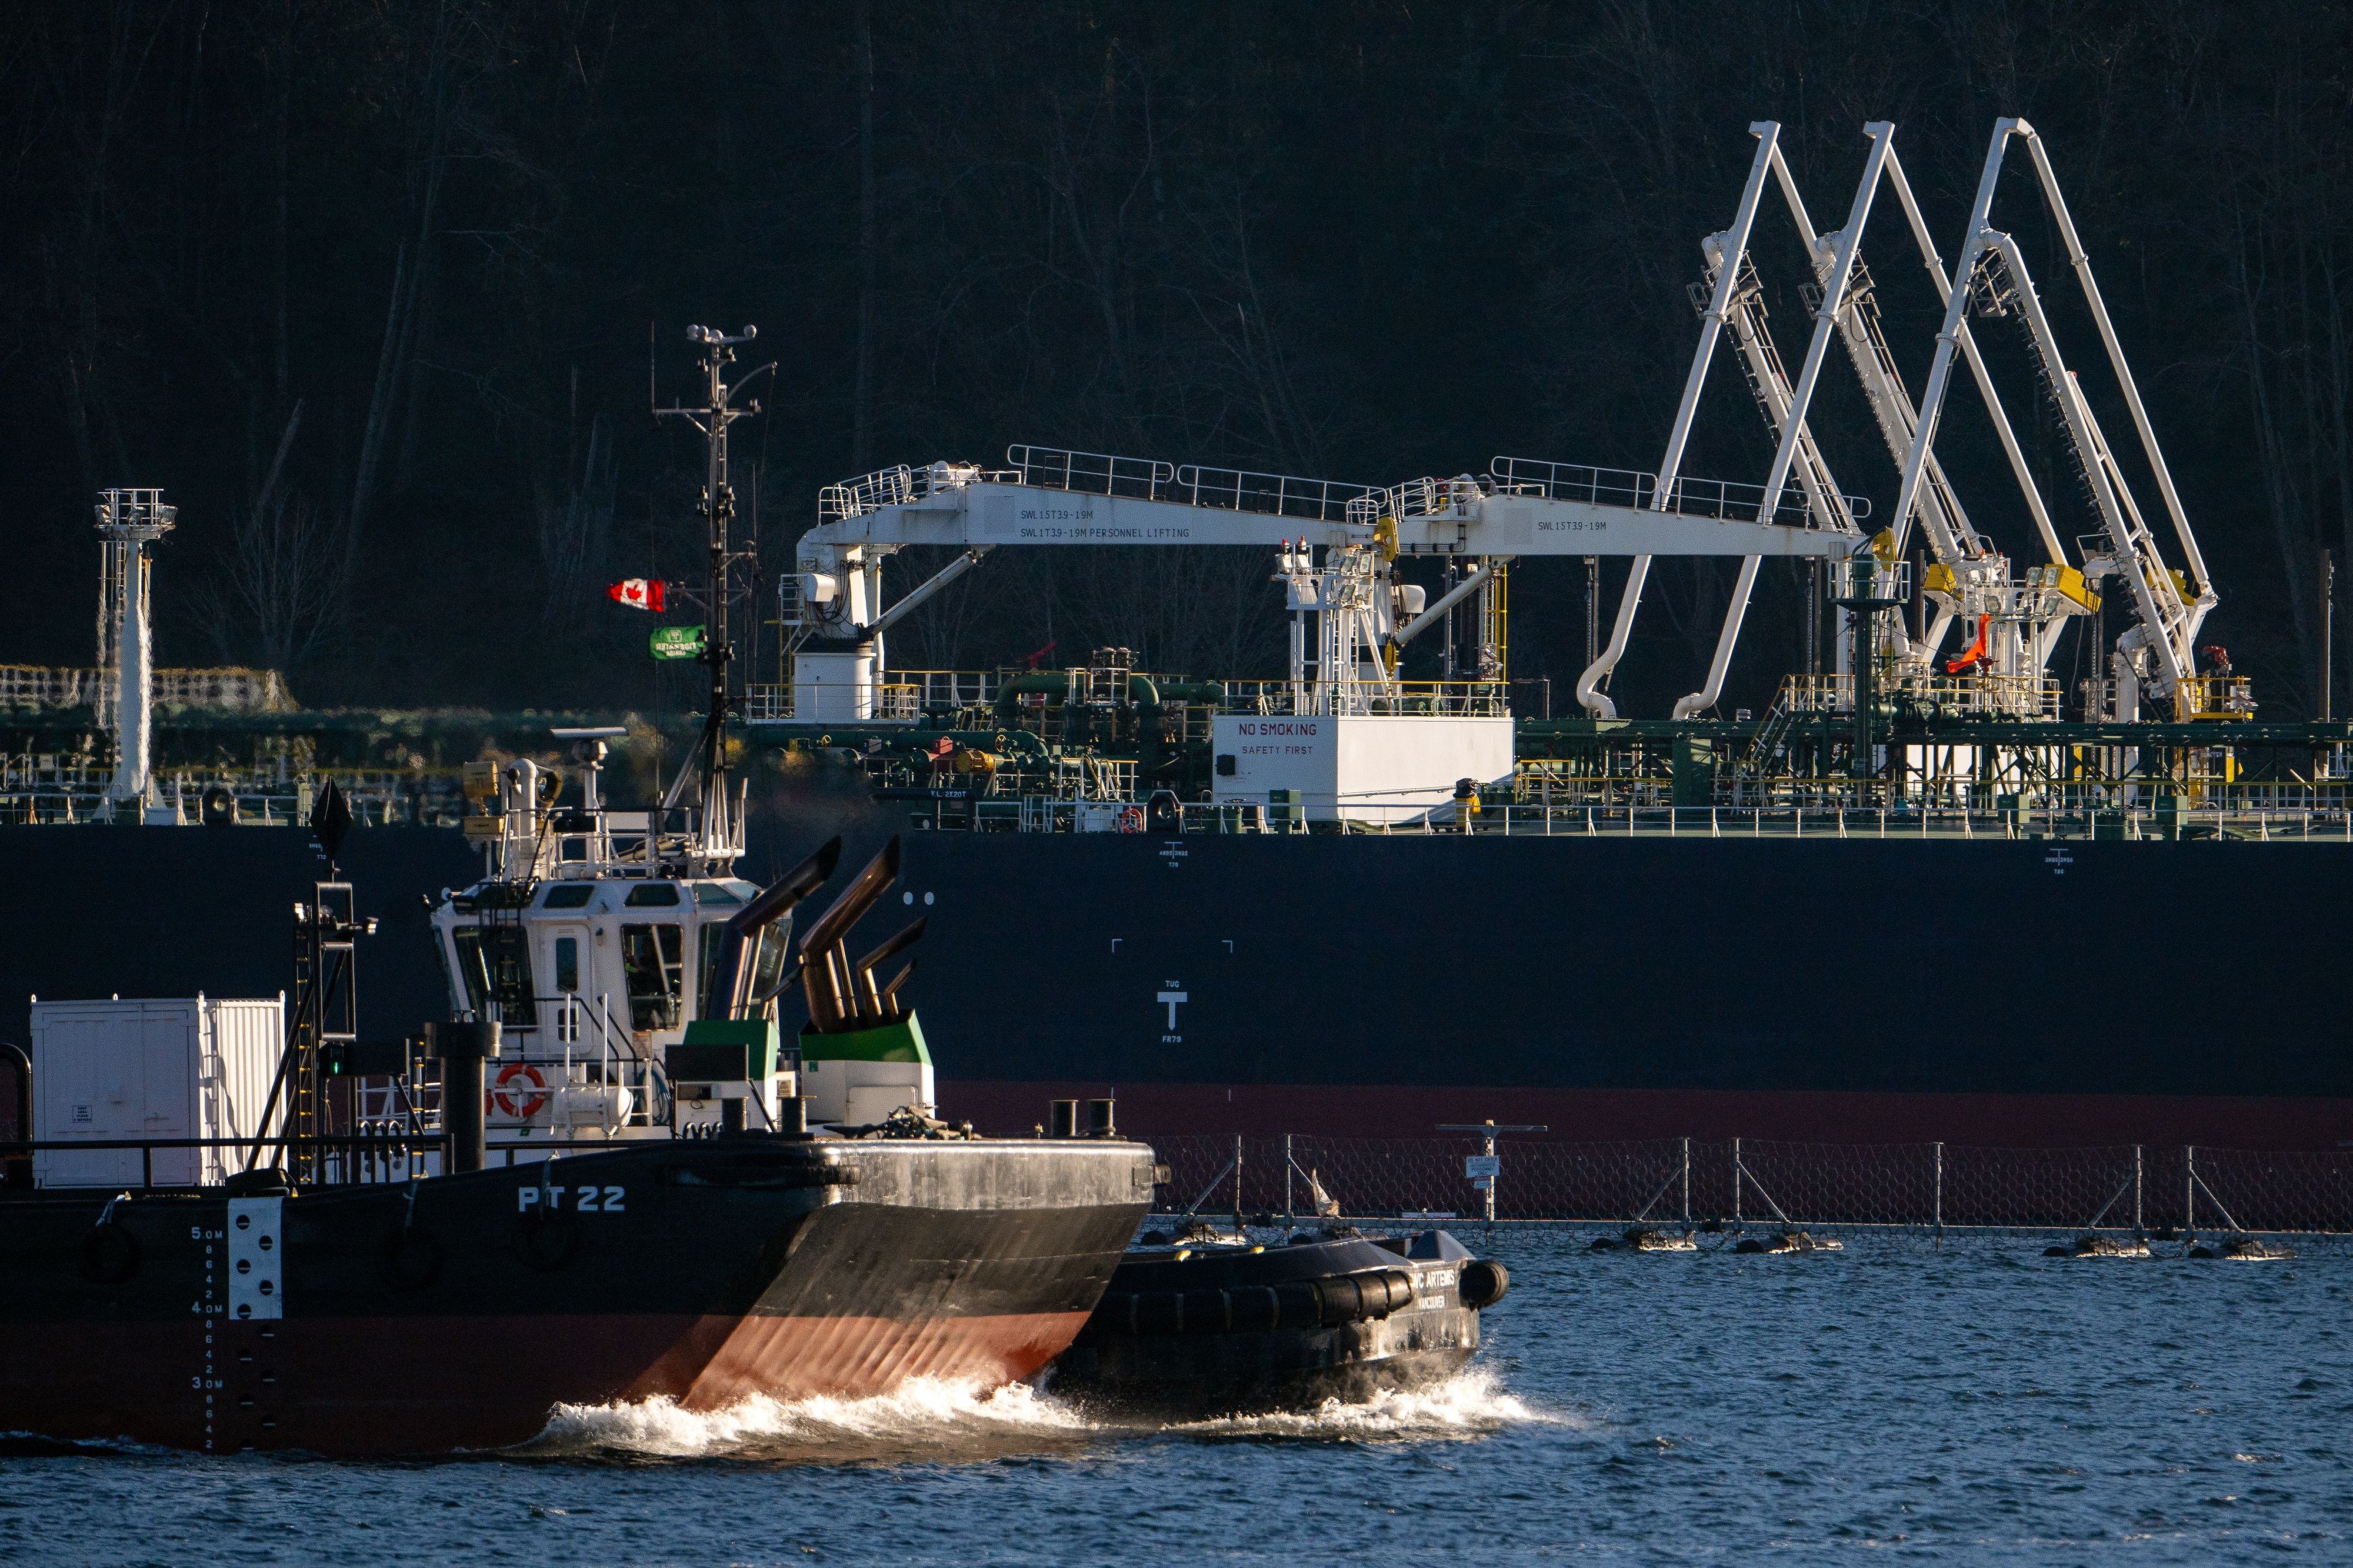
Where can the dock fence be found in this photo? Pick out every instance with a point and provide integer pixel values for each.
(1676, 1181)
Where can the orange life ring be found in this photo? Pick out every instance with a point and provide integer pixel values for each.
(1131, 820)
(524, 1102)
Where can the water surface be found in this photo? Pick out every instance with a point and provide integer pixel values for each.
(1980, 1403)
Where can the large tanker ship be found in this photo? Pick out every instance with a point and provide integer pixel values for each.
(1926, 893)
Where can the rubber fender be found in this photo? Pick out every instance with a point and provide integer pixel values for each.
(1115, 1313)
(1204, 1312)
(548, 1242)
(1380, 1294)
(110, 1254)
(1484, 1283)
(1296, 1305)
(1160, 1312)
(1339, 1300)
(412, 1259)
(1253, 1310)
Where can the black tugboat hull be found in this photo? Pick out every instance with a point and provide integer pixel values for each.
(1216, 1331)
(702, 1272)
(1275, 1372)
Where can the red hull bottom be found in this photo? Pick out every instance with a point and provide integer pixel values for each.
(474, 1383)
(1398, 1110)
(800, 1358)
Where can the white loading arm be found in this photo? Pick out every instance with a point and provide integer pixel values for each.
(1786, 403)
(1735, 244)
(1989, 264)
(1770, 382)
(1978, 573)
(1731, 303)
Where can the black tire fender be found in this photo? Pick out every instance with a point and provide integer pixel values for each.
(1160, 1312)
(548, 1242)
(1341, 1301)
(1483, 1283)
(109, 1253)
(1206, 1312)
(1254, 1308)
(412, 1259)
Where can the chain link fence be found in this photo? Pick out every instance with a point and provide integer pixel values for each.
(1679, 1181)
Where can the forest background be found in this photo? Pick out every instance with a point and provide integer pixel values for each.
(368, 287)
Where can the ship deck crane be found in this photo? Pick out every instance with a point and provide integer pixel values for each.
(1049, 497)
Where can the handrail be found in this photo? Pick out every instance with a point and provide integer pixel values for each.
(1088, 473)
(1270, 495)
(355, 1149)
(1575, 482)
(1722, 498)
(319, 1140)
(2049, 825)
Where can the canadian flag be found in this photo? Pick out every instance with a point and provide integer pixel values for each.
(638, 592)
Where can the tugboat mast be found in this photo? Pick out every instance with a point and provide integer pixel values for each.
(719, 837)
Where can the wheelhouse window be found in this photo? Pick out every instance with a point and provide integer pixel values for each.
(652, 896)
(768, 965)
(707, 960)
(471, 971)
(494, 961)
(449, 975)
(568, 896)
(653, 967)
(567, 964)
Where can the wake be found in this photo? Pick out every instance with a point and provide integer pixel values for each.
(932, 1420)
(1471, 1404)
(925, 1418)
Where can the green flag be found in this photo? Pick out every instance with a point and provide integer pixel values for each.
(677, 642)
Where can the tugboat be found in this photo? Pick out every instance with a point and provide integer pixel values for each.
(457, 1311)
(617, 1186)
(1203, 1323)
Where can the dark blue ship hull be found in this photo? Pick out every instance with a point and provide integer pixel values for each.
(2022, 992)
(1862, 990)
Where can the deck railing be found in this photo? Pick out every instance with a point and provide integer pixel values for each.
(1418, 815)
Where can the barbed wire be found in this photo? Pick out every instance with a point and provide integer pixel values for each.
(1681, 1180)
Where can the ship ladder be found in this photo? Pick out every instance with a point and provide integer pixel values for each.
(1771, 739)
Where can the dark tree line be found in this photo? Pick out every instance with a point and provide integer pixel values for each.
(368, 287)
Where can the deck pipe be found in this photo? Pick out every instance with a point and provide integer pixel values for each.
(1143, 691)
(463, 1049)
(731, 971)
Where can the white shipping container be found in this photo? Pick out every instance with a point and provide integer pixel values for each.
(172, 1068)
(1358, 767)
